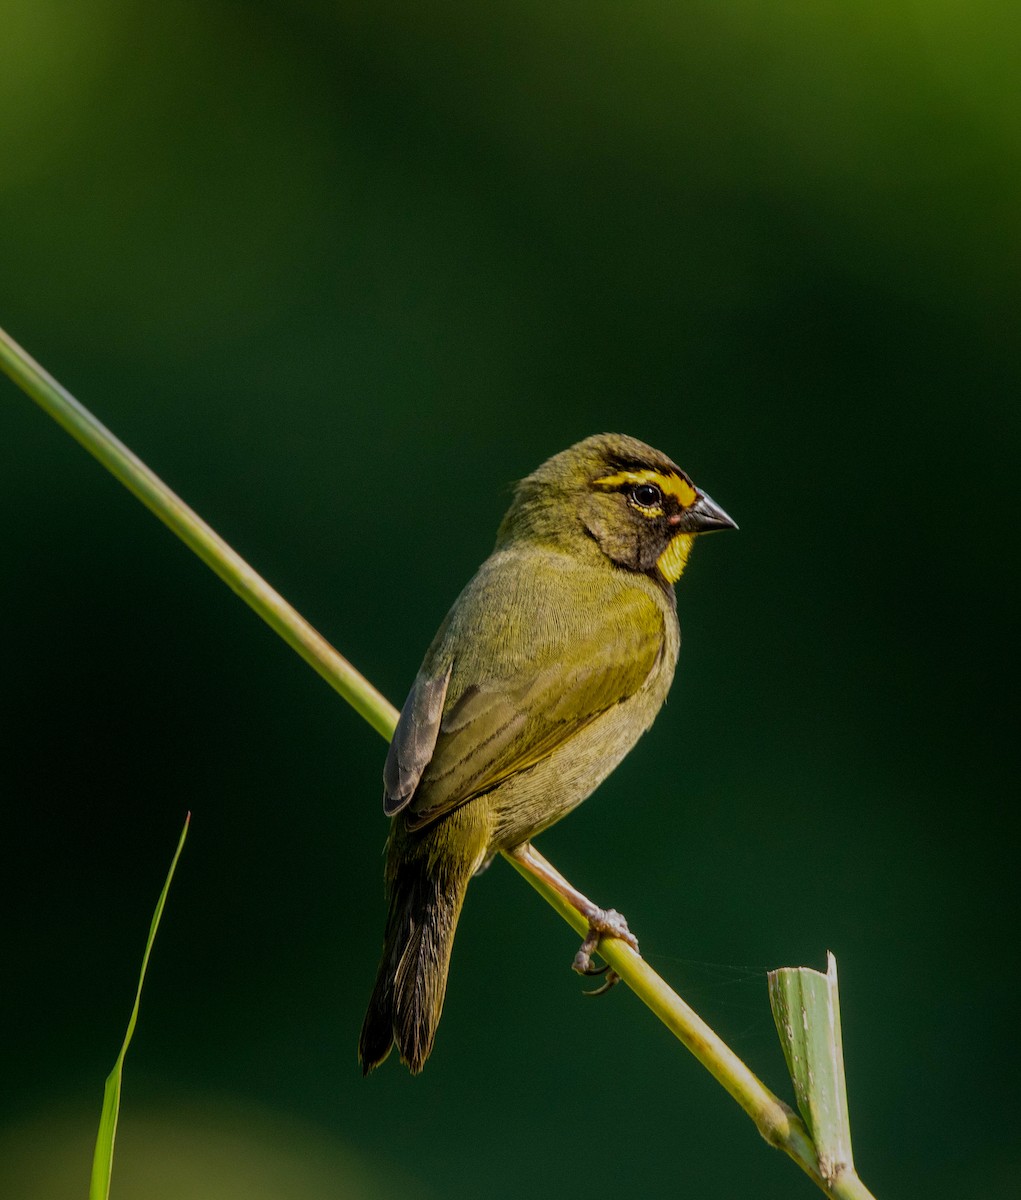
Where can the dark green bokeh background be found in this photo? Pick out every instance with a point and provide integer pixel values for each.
(340, 274)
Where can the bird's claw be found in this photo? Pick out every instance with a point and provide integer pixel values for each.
(602, 923)
(612, 978)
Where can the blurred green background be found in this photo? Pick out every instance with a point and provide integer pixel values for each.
(341, 273)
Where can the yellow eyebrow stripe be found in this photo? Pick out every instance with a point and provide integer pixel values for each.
(670, 485)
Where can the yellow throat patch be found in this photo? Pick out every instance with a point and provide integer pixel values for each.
(675, 557)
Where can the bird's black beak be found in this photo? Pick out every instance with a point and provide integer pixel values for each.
(704, 516)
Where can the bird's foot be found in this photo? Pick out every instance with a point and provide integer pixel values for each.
(602, 923)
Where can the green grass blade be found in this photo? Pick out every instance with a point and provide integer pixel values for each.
(102, 1160)
(806, 1009)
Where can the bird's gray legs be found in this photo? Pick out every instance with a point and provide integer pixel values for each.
(602, 922)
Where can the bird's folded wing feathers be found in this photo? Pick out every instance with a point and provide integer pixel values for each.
(487, 705)
(413, 740)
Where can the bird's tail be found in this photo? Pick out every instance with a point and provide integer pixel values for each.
(426, 892)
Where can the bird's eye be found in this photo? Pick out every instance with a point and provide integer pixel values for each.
(647, 495)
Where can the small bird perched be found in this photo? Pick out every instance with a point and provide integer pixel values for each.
(551, 664)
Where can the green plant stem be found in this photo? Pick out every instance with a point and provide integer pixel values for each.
(197, 535)
(777, 1123)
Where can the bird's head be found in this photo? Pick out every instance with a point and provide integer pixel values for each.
(620, 495)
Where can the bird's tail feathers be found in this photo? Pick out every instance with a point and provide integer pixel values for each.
(406, 1003)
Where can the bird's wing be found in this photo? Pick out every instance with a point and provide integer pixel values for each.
(414, 739)
(498, 695)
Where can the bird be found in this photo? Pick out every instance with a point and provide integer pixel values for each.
(552, 662)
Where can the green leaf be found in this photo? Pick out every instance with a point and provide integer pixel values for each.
(806, 1009)
(102, 1161)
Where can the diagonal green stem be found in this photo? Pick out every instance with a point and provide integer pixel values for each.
(775, 1121)
(196, 535)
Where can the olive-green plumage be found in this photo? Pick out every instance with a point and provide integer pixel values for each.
(551, 664)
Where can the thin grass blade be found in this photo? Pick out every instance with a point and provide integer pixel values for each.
(102, 1161)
